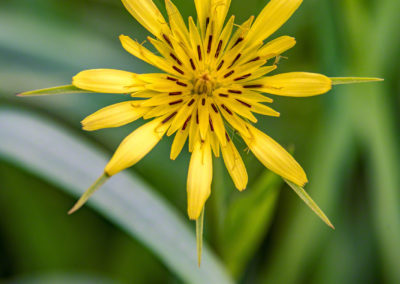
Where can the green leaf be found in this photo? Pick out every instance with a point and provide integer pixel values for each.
(59, 156)
(353, 80)
(67, 89)
(310, 203)
(247, 221)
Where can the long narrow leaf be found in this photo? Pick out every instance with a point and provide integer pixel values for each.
(53, 153)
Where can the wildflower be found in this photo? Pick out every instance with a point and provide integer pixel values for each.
(214, 79)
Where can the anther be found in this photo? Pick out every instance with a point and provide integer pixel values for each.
(242, 77)
(181, 84)
(186, 122)
(197, 116)
(220, 65)
(252, 86)
(214, 108)
(171, 79)
(191, 102)
(169, 117)
(236, 59)
(238, 41)
(244, 103)
(167, 40)
(199, 52)
(175, 58)
(224, 95)
(175, 93)
(209, 43)
(207, 22)
(218, 49)
(227, 109)
(192, 64)
(211, 124)
(227, 137)
(229, 74)
(254, 59)
(175, 102)
(178, 70)
(203, 101)
(235, 91)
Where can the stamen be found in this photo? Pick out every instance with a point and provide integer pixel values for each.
(186, 122)
(242, 77)
(218, 49)
(227, 109)
(203, 101)
(227, 137)
(192, 64)
(211, 124)
(254, 59)
(197, 116)
(175, 102)
(244, 103)
(178, 70)
(169, 117)
(175, 93)
(229, 74)
(171, 79)
(220, 65)
(199, 52)
(175, 58)
(234, 91)
(191, 102)
(209, 43)
(214, 108)
(181, 84)
(252, 86)
(224, 95)
(167, 40)
(238, 41)
(236, 59)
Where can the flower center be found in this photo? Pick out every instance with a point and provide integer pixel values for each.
(203, 84)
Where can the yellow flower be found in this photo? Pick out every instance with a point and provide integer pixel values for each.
(214, 77)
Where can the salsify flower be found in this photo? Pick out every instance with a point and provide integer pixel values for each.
(214, 78)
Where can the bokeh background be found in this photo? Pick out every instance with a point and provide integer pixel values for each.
(347, 141)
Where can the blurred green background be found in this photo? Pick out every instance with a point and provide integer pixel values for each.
(347, 141)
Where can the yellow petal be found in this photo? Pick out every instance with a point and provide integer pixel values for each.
(148, 15)
(177, 23)
(235, 166)
(135, 146)
(107, 81)
(271, 18)
(113, 116)
(203, 11)
(294, 84)
(274, 157)
(179, 141)
(199, 178)
(276, 47)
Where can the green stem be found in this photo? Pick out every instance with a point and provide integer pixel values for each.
(199, 235)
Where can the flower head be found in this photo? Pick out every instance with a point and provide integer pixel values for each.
(214, 77)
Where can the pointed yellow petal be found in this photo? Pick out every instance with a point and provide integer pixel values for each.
(177, 23)
(271, 18)
(107, 81)
(113, 116)
(135, 146)
(310, 203)
(274, 157)
(179, 141)
(203, 11)
(148, 15)
(353, 80)
(199, 178)
(235, 166)
(294, 84)
(277, 46)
